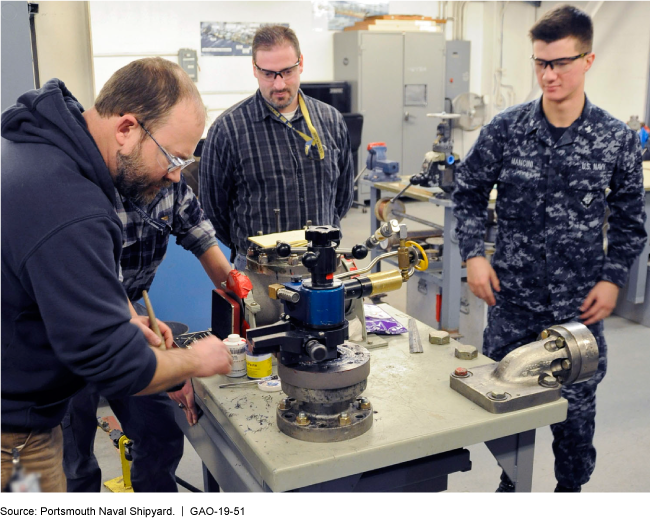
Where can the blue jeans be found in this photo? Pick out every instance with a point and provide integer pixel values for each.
(148, 421)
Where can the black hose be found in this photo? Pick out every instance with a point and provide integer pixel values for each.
(187, 485)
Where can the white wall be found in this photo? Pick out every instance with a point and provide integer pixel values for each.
(500, 66)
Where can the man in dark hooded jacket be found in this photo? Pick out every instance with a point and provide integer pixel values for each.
(65, 317)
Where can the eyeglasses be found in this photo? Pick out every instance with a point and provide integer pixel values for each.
(174, 161)
(270, 75)
(560, 65)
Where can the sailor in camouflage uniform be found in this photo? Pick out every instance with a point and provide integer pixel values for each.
(552, 161)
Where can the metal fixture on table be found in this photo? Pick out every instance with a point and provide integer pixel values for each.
(532, 374)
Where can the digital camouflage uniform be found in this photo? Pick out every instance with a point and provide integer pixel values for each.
(551, 207)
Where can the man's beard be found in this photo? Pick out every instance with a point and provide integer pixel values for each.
(281, 106)
(132, 180)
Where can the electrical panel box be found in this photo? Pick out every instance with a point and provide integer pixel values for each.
(457, 69)
(188, 61)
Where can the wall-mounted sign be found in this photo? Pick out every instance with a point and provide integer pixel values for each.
(229, 38)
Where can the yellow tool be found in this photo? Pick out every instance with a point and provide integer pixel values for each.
(122, 484)
(123, 444)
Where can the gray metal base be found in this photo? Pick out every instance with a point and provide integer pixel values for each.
(325, 427)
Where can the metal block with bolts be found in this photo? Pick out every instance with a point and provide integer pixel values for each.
(465, 352)
(532, 374)
(438, 337)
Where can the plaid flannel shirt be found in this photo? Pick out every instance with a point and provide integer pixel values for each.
(252, 164)
(146, 232)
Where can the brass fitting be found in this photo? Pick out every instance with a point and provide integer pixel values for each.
(273, 290)
(385, 281)
(403, 256)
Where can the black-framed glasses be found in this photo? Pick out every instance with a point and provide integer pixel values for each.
(559, 65)
(174, 161)
(285, 74)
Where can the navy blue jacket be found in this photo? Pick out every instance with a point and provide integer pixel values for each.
(551, 205)
(65, 318)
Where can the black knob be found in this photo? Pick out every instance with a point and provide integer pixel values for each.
(322, 235)
(283, 249)
(310, 260)
(359, 251)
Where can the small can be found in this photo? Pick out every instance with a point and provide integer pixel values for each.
(237, 347)
(258, 367)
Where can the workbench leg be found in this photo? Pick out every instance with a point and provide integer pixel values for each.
(515, 456)
(210, 485)
(451, 275)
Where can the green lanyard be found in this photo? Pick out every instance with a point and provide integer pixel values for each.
(309, 141)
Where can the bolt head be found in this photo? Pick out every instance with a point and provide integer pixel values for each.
(497, 395)
(566, 364)
(302, 419)
(549, 381)
(364, 403)
(344, 419)
(559, 342)
(465, 352)
(461, 372)
(544, 334)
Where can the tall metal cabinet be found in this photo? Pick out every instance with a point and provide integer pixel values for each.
(396, 79)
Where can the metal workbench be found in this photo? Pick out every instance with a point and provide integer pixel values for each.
(420, 428)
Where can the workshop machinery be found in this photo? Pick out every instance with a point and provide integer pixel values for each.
(434, 296)
(322, 373)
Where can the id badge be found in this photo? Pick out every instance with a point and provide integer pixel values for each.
(19, 481)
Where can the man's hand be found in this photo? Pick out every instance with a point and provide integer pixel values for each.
(185, 399)
(214, 357)
(482, 278)
(205, 357)
(599, 303)
(152, 338)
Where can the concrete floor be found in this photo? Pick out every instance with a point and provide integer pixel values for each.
(622, 423)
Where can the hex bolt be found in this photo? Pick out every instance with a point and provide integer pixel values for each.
(438, 337)
(548, 381)
(497, 395)
(344, 419)
(364, 403)
(544, 334)
(285, 404)
(263, 259)
(460, 372)
(566, 364)
(465, 352)
(559, 342)
(302, 419)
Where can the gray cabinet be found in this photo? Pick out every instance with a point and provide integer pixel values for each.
(396, 79)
